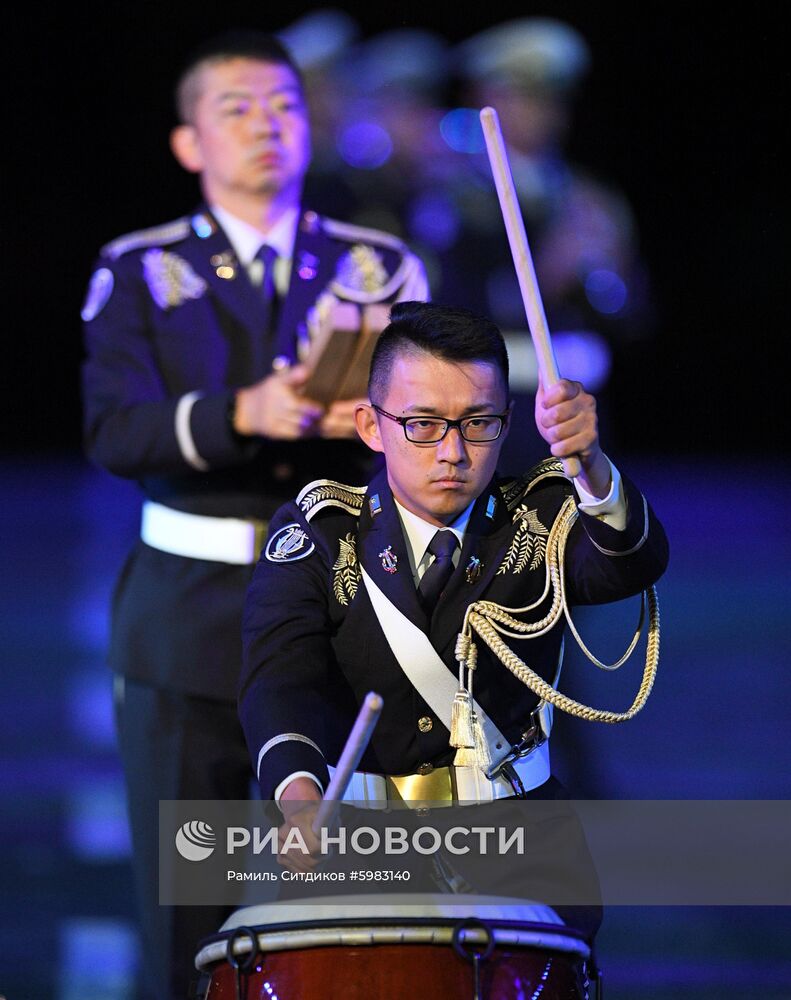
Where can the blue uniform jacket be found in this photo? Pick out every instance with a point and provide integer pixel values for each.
(313, 646)
(170, 312)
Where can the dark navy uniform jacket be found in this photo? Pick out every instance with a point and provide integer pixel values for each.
(170, 312)
(313, 646)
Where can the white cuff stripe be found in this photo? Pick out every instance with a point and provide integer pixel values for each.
(184, 432)
(634, 548)
(287, 781)
(283, 738)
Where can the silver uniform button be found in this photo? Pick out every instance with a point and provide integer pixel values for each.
(425, 724)
(425, 769)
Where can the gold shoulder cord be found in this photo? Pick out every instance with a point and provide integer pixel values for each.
(487, 619)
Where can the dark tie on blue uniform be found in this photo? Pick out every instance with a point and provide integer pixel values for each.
(442, 546)
(268, 255)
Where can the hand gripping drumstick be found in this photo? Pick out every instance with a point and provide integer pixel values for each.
(523, 262)
(358, 740)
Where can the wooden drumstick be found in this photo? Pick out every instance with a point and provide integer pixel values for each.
(358, 740)
(523, 261)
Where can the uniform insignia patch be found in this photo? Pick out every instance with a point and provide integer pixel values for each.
(361, 269)
(529, 543)
(491, 507)
(203, 225)
(289, 544)
(347, 570)
(389, 560)
(375, 505)
(99, 291)
(171, 279)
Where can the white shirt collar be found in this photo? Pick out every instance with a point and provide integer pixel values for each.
(246, 240)
(419, 534)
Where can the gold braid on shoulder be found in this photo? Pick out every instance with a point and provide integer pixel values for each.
(490, 621)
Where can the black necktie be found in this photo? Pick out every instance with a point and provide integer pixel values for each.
(268, 255)
(442, 546)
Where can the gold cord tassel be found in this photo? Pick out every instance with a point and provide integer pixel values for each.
(466, 734)
(465, 757)
(461, 728)
(483, 756)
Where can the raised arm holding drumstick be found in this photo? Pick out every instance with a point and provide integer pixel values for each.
(554, 393)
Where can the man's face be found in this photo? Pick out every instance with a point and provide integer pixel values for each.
(249, 134)
(437, 481)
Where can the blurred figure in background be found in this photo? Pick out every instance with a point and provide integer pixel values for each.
(195, 384)
(581, 232)
(319, 42)
(389, 158)
(409, 157)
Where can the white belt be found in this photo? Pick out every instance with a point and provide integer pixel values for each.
(374, 791)
(219, 539)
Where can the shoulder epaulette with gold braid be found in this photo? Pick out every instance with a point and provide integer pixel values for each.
(327, 493)
(170, 232)
(350, 233)
(515, 489)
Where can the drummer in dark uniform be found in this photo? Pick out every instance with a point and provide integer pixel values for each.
(196, 336)
(363, 589)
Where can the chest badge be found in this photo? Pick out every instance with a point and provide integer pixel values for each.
(170, 278)
(529, 544)
(473, 570)
(491, 507)
(375, 505)
(224, 264)
(346, 570)
(389, 560)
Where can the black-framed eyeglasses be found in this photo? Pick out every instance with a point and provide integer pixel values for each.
(477, 429)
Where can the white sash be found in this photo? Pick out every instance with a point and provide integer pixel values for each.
(425, 669)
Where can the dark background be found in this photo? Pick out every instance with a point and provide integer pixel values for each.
(682, 111)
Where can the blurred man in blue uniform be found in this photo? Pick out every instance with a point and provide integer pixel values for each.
(196, 336)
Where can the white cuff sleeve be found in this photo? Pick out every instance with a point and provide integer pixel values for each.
(287, 781)
(612, 509)
(183, 429)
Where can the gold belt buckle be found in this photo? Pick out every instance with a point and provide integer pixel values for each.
(423, 789)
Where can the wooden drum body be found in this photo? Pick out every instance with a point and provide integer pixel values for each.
(340, 949)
